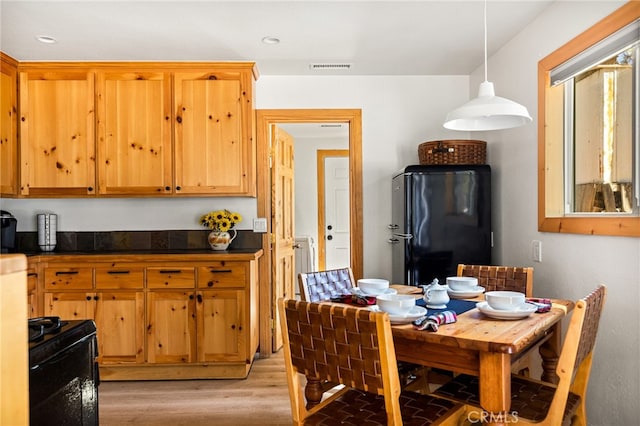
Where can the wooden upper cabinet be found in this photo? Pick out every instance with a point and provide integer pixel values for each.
(214, 146)
(57, 133)
(8, 126)
(134, 132)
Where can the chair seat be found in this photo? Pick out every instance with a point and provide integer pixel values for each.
(358, 408)
(529, 399)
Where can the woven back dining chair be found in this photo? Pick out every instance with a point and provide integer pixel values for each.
(323, 285)
(353, 347)
(544, 404)
(493, 278)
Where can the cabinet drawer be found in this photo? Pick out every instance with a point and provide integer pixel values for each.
(222, 275)
(119, 277)
(170, 277)
(68, 278)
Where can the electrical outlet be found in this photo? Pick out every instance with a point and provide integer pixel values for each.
(260, 224)
(536, 250)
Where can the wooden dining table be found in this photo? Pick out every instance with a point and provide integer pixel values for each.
(485, 347)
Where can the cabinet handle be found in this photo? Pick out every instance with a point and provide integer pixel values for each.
(32, 274)
(220, 271)
(213, 77)
(170, 271)
(66, 273)
(118, 272)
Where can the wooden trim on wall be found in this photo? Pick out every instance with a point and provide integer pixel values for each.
(264, 118)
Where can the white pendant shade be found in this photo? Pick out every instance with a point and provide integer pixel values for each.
(487, 112)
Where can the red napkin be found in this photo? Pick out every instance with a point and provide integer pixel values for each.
(543, 305)
(355, 300)
(432, 322)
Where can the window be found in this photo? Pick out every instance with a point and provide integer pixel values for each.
(588, 130)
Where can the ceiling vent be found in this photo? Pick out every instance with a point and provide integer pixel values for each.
(330, 66)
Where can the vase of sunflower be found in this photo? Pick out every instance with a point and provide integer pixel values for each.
(221, 224)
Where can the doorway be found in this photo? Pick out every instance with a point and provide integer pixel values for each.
(264, 120)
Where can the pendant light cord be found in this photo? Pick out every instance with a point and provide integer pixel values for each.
(485, 41)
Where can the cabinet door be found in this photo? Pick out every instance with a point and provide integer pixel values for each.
(120, 322)
(8, 126)
(70, 306)
(213, 145)
(171, 327)
(134, 133)
(222, 328)
(57, 133)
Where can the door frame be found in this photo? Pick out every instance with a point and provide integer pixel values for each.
(322, 155)
(264, 119)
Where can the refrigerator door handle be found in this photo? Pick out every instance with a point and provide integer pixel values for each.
(398, 237)
(392, 226)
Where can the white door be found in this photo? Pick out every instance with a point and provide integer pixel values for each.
(336, 233)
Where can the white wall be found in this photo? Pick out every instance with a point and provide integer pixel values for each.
(572, 265)
(398, 113)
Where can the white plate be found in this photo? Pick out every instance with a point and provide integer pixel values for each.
(457, 294)
(520, 312)
(415, 313)
(386, 291)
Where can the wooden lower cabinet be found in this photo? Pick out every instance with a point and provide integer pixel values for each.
(221, 315)
(171, 326)
(160, 319)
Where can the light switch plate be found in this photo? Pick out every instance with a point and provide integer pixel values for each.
(260, 224)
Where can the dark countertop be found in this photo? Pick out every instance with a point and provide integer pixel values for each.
(133, 255)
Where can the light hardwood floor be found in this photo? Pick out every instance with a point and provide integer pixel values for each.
(261, 399)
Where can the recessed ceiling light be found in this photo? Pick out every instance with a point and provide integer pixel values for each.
(46, 39)
(270, 40)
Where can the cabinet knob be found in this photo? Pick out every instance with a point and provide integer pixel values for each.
(179, 119)
(178, 188)
(199, 298)
(88, 297)
(191, 297)
(210, 284)
(167, 188)
(90, 189)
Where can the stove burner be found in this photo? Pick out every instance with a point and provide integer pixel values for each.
(39, 327)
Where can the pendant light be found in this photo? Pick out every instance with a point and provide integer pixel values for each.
(487, 111)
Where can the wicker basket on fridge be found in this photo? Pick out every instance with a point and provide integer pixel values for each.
(453, 151)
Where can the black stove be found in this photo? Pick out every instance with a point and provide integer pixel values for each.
(63, 372)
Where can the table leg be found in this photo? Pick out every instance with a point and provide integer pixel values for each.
(495, 387)
(313, 391)
(550, 353)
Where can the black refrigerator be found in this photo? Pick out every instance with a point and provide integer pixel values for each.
(441, 216)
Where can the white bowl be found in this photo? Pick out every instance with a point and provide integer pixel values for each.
(462, 283)
(373, 286)
(504, 300)
(396, 304)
